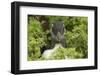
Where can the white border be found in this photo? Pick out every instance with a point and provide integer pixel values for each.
(25, 65)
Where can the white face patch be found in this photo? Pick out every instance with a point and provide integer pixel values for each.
(48, 53)
(51, 25)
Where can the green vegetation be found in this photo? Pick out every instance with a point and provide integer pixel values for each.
(66, 53)
(76, 35)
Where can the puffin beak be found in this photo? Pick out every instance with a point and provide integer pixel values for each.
(58, 36)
